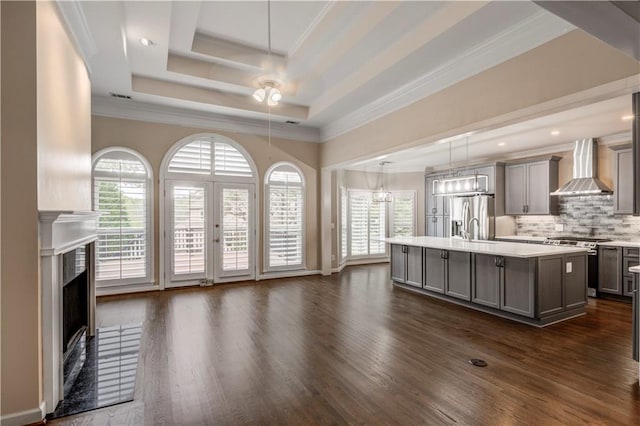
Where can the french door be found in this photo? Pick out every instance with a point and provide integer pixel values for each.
(211, 232)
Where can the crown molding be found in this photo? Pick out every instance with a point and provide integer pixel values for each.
(143, 111)
(76, 23)
(311, 28)
(516, 40)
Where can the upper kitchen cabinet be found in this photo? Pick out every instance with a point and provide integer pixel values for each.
(623, 180)
(528, 186)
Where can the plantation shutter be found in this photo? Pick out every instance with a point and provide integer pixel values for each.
(194, 157)
(189, 253)
(228, 161)
(235, 229)
(286, 218)
(120, 183)
(366, 224)
(403, 214)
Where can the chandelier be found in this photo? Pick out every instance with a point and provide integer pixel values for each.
(380, 195)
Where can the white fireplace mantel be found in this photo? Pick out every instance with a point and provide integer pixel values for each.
(61, 232)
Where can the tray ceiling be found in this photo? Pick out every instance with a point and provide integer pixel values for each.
(341, 63)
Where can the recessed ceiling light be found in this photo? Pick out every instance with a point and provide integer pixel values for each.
(146, 42)
(502, 144)
(627, 117)
(555, 132)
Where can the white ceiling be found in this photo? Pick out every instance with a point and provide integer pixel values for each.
(338, 61)
(600, 120)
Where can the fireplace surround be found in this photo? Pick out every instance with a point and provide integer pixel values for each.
(65, 236)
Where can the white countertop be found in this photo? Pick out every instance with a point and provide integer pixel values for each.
(496, 248)
(635, 269)
(621, 244)
(521, 238)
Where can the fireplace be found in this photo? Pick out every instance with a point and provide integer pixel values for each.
(75, 298)
(68, 293)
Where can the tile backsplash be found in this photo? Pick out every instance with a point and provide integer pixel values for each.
(586, 216)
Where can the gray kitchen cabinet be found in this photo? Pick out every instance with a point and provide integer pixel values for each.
(398, 263)
(528, 187)
(485, 281)
(630, 258)
(458, 279)
(434, 204)
(515, 189)
(623, 181)
(448, 272)
(550, 292)
(406, 264)
(434, 270)
(610, 269)
(436, 226)
(414, 266)
(575, 276)
(517, 287)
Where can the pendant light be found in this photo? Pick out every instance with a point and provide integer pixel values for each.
(466, 185)
(381, 195)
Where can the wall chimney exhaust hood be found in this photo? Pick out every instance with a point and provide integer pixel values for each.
(585, 169)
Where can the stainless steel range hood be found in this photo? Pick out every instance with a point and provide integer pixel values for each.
(585, 169)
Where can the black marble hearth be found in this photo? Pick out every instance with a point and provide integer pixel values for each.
(101, 370)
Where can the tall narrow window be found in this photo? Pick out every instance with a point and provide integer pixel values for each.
(284, 206)
(403, 214)
(367, 224)
(122, 194)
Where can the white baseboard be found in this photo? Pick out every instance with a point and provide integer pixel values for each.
(288, 274)
(355, 262)
(124, 289)
(24, 417)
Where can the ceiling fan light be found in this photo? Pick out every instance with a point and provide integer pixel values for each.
(259, 94)
(274, 97)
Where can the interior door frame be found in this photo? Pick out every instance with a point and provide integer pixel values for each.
(218, 273)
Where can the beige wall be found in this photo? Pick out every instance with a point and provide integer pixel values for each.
(64, 118)
(153, 141)
(20, 387)
(564, 66)
(45, 165)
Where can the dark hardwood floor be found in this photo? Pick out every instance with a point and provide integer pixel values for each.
(351, 348)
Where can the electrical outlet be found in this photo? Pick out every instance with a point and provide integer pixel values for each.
(559, 227)
(569, 267)
(333, 257)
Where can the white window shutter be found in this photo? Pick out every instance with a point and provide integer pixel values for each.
(194, 157)
(403, 214)
(120, 191)
(366, 224)
(285, 218)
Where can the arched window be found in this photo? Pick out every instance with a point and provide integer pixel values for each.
(122, 193)
(284, 208)
(201, 156)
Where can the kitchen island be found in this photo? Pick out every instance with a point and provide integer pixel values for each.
(533, 284)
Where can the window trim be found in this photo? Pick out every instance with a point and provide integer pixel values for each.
(149, 277)
(265, 261)
(391, 213)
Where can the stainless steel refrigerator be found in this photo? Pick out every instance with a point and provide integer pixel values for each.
(463, 210)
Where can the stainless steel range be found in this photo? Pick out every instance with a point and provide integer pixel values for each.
(592, 259)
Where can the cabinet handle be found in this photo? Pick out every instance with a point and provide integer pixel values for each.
(524, 210)
(499, 261)
(444, 254)
(434, 219)
(434, 210)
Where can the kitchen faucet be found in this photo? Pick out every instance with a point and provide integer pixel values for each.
(469, 234)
